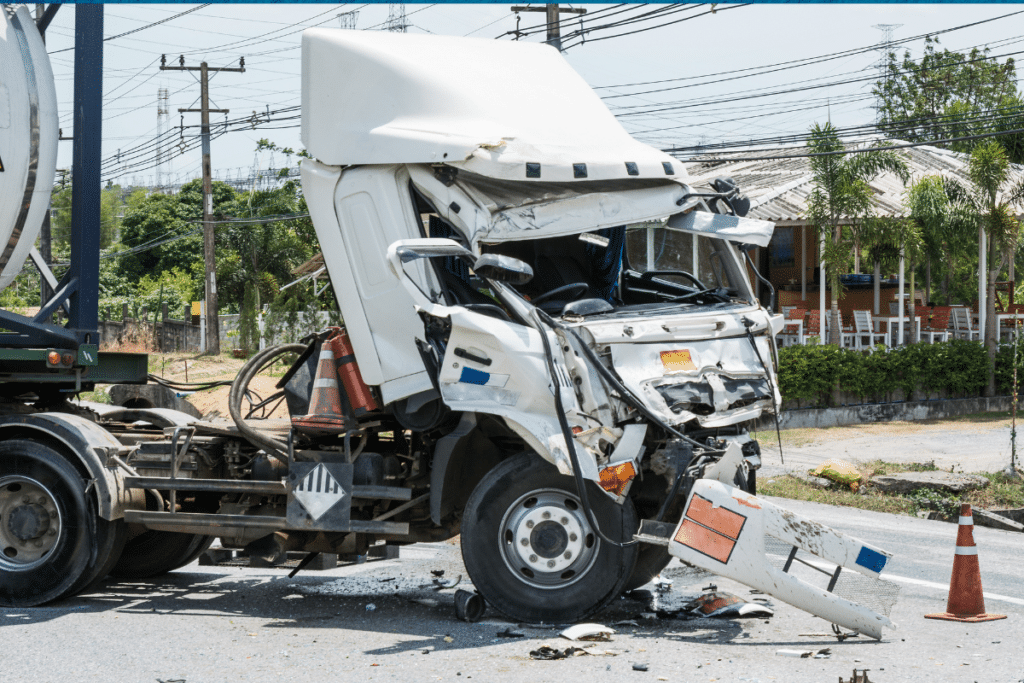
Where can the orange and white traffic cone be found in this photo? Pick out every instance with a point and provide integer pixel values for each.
(966, 602)
(326, 415)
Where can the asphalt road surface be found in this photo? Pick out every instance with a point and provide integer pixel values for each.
(385, 621)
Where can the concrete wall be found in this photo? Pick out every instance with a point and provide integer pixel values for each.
(885, 412)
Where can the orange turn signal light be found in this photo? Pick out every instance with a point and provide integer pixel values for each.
(53, 358)
(615, 478)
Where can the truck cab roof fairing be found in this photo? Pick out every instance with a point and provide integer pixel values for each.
(380, 98)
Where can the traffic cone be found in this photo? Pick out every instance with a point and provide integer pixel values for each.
(966, 602)
(326, 415)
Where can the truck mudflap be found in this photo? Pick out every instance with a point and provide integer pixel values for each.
(750, 540)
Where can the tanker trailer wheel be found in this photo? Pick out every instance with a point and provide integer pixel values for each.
(531, 551)
(52, 544)
(153, 553)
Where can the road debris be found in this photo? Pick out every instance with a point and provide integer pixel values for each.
(548, 652)
(371, 607)
(589, 632)
(426, 602)
(639, 667)
(719, 604)
(662, 584)
(823, 653)
(469, 606)
(441, 584)
(509, 633)
(857, 677)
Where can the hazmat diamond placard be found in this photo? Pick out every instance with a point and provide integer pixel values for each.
(318, 491)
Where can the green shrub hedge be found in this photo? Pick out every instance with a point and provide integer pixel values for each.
(812, 373)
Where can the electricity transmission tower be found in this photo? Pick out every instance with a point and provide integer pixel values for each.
(348, 19)
(884, 48)
(162, 119)
(396, 18)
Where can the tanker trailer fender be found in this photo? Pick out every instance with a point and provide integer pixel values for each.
(86, 445)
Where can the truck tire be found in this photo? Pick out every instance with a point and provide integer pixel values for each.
(153, 553)
(530, 550)
(50, 536)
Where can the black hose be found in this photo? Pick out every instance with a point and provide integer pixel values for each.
(570, 442)
(272, 446)
(748, 323)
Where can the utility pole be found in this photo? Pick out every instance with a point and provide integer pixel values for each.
(552, 13)
(212, 327)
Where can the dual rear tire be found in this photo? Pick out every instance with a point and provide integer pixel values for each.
(53, 545)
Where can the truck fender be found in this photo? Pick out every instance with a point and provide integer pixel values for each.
(85, 444)
(461, 458)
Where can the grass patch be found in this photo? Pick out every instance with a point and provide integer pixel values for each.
(873, 467)
(788, 486)
(1002, 492)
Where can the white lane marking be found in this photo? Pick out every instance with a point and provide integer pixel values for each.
(932, 584)
(921, 582)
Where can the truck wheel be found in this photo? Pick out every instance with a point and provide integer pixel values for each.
(48, 544)
(153, 553)
(532, 553)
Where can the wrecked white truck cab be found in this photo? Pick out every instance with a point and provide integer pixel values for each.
(536, 301)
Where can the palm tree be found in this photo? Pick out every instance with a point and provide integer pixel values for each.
(842, 197)
(987, 200)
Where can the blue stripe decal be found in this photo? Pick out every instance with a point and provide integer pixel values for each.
(471, 376)
(871, 559)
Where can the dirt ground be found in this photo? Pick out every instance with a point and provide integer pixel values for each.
(212, 368)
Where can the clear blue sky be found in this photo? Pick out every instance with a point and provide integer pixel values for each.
(268, 36)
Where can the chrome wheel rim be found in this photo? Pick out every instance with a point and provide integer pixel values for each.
(546, 540)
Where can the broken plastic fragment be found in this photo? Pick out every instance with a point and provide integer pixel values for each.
(593, 632)
(725, 606)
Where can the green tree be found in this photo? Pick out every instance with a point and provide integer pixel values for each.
(986, 202)
(263, 253)
(248, 326)
(165, 232)
(112, 207)
(841, 198)
(948, 94)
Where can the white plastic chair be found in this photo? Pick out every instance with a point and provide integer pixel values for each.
(865, 329)
(962, 324)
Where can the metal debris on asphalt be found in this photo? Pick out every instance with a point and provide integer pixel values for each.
(441, 584)
(639, 667)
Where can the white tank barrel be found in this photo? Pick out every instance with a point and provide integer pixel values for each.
(28, 137)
